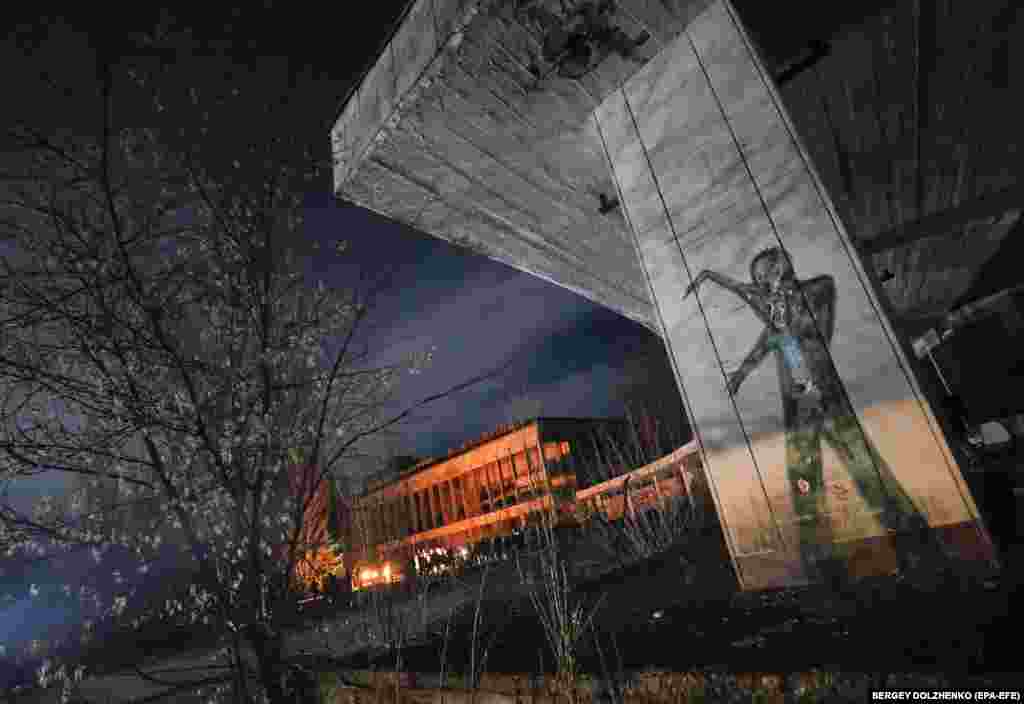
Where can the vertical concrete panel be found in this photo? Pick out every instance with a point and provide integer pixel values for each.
(892, 413)
(823, 447)
(687, 336)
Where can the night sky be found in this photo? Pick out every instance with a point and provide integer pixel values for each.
(477, 313)
(563, 352)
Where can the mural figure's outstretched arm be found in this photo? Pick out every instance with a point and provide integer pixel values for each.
(750, 293)
(751, 362)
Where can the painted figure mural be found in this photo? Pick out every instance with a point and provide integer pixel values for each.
(798, 320)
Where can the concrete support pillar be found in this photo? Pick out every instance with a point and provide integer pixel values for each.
(515, 475)
(453, 513)
(499, 482)
(493, 488)
(418, 511)
(442, 503)
(393, 529)
(471, 493)
(503, 474)
(456, 500)
(435, 505)
(463, 502)
(378, 523)
(386, 523)
(414, 516)
(816, 439)
(468, 500)
(486, 485)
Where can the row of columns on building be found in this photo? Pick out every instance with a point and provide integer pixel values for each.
(455, 499)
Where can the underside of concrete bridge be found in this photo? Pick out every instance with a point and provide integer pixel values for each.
(710, 172)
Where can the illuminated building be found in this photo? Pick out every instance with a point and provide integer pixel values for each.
(494, 487)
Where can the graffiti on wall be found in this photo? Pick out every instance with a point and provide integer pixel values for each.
(577, 35)
(797, 317)
(808, 469)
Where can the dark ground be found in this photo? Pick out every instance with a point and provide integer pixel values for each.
(936, 619)
(891, 625)
(648, 621)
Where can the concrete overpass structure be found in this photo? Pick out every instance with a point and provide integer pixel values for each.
(620, 148)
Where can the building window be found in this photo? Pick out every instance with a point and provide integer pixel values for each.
(426, 512)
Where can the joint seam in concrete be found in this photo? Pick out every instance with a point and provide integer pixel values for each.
(778, 238)
(700, 306)
(727, 529)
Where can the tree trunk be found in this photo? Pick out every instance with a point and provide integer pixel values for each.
(268, 646)
(281, 683)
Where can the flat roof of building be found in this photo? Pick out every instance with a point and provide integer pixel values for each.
(499, 432)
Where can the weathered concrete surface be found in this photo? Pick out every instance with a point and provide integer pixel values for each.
(500, 144)
(711, 173)
(465, 130)
(897, 130)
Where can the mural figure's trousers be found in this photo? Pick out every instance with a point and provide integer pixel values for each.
(871, 475)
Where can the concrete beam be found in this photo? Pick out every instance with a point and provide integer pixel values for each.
(467, 130)
(947, 223)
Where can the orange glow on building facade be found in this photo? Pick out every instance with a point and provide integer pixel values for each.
(320, 544)
(492, 488)
(483, 490)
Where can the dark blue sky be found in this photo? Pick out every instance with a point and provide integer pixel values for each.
(565, 353)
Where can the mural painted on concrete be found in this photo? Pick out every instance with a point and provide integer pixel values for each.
(798, 317)
(832, 451)
(577, 35)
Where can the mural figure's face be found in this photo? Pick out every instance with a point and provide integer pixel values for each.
(772, 269)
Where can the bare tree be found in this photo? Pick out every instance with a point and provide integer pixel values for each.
(159, 335)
